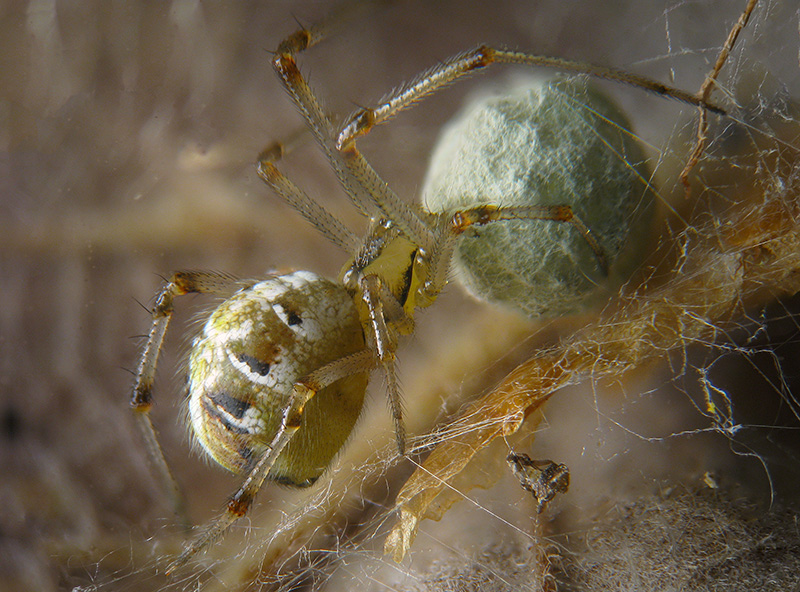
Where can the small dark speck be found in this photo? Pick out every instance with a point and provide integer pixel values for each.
(11, 423)
(256, 365)
(294, 318)
(232, 405)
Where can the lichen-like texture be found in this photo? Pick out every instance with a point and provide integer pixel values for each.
(554, 142)
(694, 541)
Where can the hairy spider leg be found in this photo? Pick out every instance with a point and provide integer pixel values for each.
(457, 67)
(458, 222)
(325, 222)
(364, 186)
(181, 282)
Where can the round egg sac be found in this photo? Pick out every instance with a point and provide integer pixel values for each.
(556, 142)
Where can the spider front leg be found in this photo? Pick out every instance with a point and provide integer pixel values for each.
(182, 282)
(455, 68)
(481, 215)
(360, 181)
(460, 221)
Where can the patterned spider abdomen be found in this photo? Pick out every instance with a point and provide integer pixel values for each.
(243, 365)
(559, 143)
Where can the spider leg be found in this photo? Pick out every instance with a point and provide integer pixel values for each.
(486, 214)
(182, 282)
(364, 186)
(386, 318)
(455, 68)
(304, 390)
(310, 209)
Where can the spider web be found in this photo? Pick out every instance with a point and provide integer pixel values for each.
(127, 151)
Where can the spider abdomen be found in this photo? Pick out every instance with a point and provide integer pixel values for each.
(254, 347)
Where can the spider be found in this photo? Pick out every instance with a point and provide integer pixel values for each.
(278, 375)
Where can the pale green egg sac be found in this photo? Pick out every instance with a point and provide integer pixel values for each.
(556, 142)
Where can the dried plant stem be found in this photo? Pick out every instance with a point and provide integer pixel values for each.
(705, 94)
